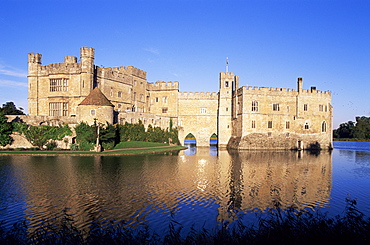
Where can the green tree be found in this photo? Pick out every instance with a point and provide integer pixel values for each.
(108, 136)
(5, 130)
(41, 135)
(362, 128)
(345, 130)
(37, 135)
(9, 108)
(85, 132)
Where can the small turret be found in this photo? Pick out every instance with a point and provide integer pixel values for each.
(34, 58)
(70, 59)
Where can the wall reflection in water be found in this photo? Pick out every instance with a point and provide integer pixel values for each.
(262, 180)
(207, 185)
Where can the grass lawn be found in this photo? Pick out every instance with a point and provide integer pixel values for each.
(138, 144)
(123, 148)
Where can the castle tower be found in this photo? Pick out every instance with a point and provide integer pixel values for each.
(34, 64)
(228, 84)
(87, 70)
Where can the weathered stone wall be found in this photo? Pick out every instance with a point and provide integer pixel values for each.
(92, 113)
(197, 115)
(277, 118)
(282, 115)
(163, 98)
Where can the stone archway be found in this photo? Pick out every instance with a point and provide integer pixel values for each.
(190, 140)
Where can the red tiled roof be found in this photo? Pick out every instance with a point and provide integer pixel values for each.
(96, 97)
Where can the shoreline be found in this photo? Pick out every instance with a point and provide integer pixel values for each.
(116, 152)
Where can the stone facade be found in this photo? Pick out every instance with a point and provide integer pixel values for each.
(241, 117)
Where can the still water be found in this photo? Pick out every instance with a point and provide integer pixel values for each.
(199, 187)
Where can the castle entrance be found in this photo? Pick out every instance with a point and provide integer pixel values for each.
(190, 140)
(213, 141)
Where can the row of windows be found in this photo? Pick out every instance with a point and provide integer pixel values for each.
(164, 99)
(276, 107)
(287, 125)
(58, 84)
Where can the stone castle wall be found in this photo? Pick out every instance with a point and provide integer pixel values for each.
(57, 89)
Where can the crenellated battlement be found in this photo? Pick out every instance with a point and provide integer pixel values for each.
(60, 68)
(120, 73)
(198, 96)
(136, 72)
(70, 59)
(87, 52)
(34, 58)
(282, 91)
(163, 86)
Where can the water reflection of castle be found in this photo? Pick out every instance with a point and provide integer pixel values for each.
(92, 189)
(260, 180)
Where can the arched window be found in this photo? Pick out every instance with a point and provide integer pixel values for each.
(323, 126)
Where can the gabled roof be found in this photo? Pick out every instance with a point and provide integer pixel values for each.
(96, 97)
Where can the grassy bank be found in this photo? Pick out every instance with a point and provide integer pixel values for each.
(279, 227)
(123, 148)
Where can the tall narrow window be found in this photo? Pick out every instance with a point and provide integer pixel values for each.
(287, 124)
(203, 110)
(269, 124)
(119, 94)
(305, 107)
(323, 127)
(253, 124)
(226, 84)
(254, 105)
(275, 107)
(321, 107)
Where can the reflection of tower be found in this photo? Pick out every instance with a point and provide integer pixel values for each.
(228, 85)
(236, 187)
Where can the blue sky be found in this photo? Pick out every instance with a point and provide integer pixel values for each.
(269, 43)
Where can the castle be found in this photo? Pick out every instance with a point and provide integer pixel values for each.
(241, 117)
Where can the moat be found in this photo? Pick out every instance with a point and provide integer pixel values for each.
(200, 186)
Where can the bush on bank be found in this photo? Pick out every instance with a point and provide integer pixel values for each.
(44, 136)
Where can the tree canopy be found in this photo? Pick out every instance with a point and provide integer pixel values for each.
(5, 130)
(354, 130)
(9, 108)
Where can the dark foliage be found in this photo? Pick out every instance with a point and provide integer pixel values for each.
(351, 130)
(5, 130)
(9, 108)
(291, 226)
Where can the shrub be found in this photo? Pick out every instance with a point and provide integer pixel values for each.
(51, 145)
(74, 147)
(108, 145)
(85, 146)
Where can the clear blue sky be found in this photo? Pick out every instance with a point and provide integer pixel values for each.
(269, 43)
